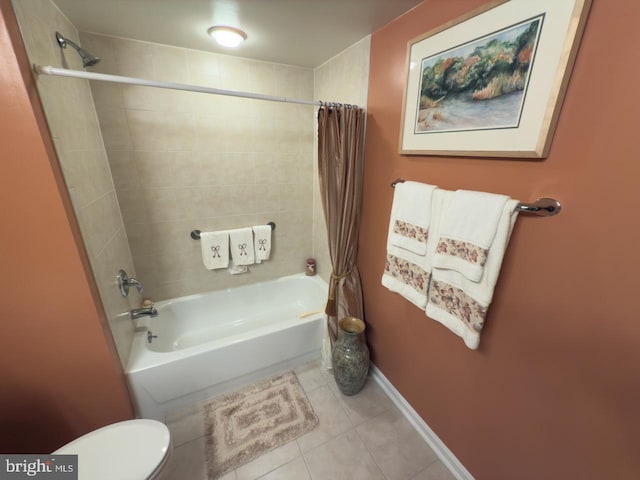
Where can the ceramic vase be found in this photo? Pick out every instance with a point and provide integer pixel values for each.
(350, 356)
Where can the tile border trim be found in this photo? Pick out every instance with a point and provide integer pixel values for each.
(445, 455)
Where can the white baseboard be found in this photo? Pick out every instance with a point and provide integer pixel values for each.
(445, 455)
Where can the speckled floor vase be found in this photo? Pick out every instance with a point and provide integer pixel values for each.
(242, 425)
(350, 356)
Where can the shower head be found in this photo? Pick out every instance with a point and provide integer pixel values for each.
(88, 59)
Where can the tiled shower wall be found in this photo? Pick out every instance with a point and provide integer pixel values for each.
(74, 126)
(76, 134)
(182, 160)
(344, 78)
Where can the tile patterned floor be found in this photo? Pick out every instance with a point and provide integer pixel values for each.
(363, 437)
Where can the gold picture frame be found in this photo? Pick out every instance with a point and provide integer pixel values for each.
(491, 83)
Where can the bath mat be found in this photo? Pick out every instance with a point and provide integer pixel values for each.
(242, 425)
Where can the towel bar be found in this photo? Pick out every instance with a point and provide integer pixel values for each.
(543, 207)
(195, 234)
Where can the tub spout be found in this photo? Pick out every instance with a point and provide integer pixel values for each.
(144, 312)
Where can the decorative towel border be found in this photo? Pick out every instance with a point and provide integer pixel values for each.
(409, 273)
(466, 251)
(409, 230)
(457, 303)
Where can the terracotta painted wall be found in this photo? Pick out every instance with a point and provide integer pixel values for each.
(554, 390)
(59, 371)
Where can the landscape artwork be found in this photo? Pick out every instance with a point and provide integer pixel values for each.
(480, 85)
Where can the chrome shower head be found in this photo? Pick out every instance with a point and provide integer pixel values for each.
(88, 59)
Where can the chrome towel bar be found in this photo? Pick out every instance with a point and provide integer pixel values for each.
(543, 207)
(195, 234)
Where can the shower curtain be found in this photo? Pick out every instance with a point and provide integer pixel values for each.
(340, 167)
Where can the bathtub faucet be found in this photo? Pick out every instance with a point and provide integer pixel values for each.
(143, 312)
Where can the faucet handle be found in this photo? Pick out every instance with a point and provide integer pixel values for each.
(135, 283)
(124, 282)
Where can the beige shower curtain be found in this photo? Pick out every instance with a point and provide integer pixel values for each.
(340, 167)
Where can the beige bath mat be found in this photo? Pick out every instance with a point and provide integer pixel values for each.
(242, 425)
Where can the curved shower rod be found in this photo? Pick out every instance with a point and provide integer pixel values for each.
(65, 72)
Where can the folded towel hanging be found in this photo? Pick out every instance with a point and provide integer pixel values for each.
(459, 303)
(406, 272)
(241, 244)
(467, 230)
(262, 242)
(215, 249)
(410, 216)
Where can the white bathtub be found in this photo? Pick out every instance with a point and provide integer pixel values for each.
(211, 343)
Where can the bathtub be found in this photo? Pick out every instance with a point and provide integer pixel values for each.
(210, 343)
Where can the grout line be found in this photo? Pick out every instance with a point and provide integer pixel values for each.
(371, 453)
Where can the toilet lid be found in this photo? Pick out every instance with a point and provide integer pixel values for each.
(132, 449)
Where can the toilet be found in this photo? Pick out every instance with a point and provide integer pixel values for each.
(130, 450)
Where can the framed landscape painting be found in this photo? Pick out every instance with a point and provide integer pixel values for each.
(491, 83)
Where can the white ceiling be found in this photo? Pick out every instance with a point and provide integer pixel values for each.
(295, 32)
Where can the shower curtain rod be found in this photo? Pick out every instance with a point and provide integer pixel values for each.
(64, 72)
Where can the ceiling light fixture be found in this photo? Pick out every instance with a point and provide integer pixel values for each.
(227, 36)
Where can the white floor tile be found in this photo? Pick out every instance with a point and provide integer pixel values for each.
(294, 470)
(310, 376)
(368, 403)
(268, 462)
(188, 462)
(185, 426)
(343, 458)
(395, 445)
(435, 471)
(333, 419)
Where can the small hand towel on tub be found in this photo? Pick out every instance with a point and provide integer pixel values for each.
(405, 272)
(461, 304)
(241, 243)
(215, 249)
(469, 225)
(262, 242)
(410, 216)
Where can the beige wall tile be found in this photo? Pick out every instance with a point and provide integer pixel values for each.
(161, 204)
(136, 97)
(154, 169)
(132, 205)
(115, 128)
(169, 64)
(262, 78)
(123, 169)
(203, 68)
(107, 95)
(132, 59)
(102, 220)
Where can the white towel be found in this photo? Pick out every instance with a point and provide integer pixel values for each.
(468, 228)
(410, 216)
(461, 304)
(241, 243)
(215, 249)
(262, 242)
(405, 272)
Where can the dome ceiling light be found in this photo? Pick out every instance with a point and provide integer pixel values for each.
(229, 37)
